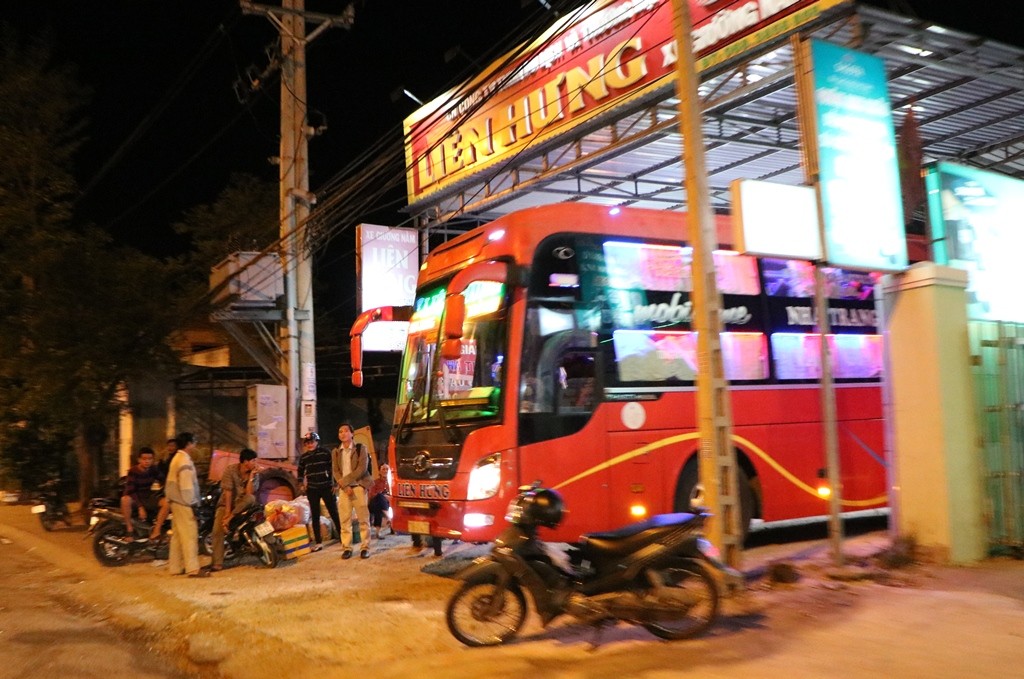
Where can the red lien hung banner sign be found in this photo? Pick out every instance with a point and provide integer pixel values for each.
(597, 58)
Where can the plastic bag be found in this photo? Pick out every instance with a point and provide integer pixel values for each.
(301, 506)
(281, 514)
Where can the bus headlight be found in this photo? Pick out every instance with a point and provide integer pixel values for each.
(485, 478)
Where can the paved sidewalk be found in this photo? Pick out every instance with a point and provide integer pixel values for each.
(321, 616)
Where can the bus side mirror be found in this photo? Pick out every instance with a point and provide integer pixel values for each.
(386, 313)
(451, 349)
(356, 352)
(454, 319)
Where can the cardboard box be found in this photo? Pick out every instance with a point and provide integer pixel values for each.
(296, 541)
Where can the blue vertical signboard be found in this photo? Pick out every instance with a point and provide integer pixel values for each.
(861, 208)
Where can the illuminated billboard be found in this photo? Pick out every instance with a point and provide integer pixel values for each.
(859, 182)
(387, 262)
(976, 225)
(594, 59)
(776, 220)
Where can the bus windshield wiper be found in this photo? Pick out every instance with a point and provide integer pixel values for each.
(451, 432)
(446, 429)
(400, 429)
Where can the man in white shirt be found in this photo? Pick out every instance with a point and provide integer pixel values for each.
(182, 492)
(351, 466)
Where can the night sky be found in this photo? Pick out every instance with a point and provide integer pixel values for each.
(165, 106)
(166, 127)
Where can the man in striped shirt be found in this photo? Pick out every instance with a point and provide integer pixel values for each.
(318, 483)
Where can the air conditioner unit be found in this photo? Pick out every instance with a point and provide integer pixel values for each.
(247, 279)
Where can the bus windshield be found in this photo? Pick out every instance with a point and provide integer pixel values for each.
(434, 390)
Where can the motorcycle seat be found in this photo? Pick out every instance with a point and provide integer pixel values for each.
(628, 538)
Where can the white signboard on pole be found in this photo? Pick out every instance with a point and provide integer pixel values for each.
(388, 263)
(775, 220)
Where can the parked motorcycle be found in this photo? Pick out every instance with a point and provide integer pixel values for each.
(50, 506)
(109, 534)
(658, 573)
(250, 534)
(109, 538)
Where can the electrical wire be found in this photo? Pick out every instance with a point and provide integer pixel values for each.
(351, 197)
(340, 205)
(359, 186)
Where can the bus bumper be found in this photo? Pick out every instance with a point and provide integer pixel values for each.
(466, 521)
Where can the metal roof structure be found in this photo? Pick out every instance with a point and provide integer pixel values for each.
(967, 94)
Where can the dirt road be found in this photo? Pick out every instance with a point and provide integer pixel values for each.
(384, 617)
(43, 636)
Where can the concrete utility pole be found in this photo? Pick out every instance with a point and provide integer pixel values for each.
(804, 67)
(717, 461)
(295, 336)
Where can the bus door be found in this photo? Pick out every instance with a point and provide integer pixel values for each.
(563, 442)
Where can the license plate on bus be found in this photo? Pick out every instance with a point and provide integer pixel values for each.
(38, 509)
(419, 527)
(264, 529)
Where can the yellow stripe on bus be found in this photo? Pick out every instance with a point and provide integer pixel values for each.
(679, 438)
(786, 474)
(629, 455)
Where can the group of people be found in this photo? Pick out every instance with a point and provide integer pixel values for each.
(343, 480)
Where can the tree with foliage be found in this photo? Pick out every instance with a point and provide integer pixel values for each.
(82, 316)
(244, 217)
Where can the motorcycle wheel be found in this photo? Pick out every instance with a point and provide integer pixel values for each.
(49, 521)
(470, 620)
(268, 554)
(107, 551)
(692, 592)
(206, 543)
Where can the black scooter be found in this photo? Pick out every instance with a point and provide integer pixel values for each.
(50, 506)
(658, 573)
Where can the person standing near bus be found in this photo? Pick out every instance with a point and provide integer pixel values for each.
(351, 465)
(317, 479)
(379, 504)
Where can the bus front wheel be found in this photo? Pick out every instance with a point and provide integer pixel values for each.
(690, 489)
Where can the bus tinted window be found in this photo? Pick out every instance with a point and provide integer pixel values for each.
(795, 278)
(798, 356)
(647, 356)
(668, 268)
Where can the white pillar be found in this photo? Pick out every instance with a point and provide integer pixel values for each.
(937, 477)
(126, 431)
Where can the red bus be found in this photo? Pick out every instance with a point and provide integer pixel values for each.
(554, 344)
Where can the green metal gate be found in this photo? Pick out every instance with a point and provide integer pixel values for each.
(998, 351)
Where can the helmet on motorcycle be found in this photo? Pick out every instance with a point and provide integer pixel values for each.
(311, 437)
(539, 507)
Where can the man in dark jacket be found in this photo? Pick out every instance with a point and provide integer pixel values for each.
(142, 490)
(317, 483)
